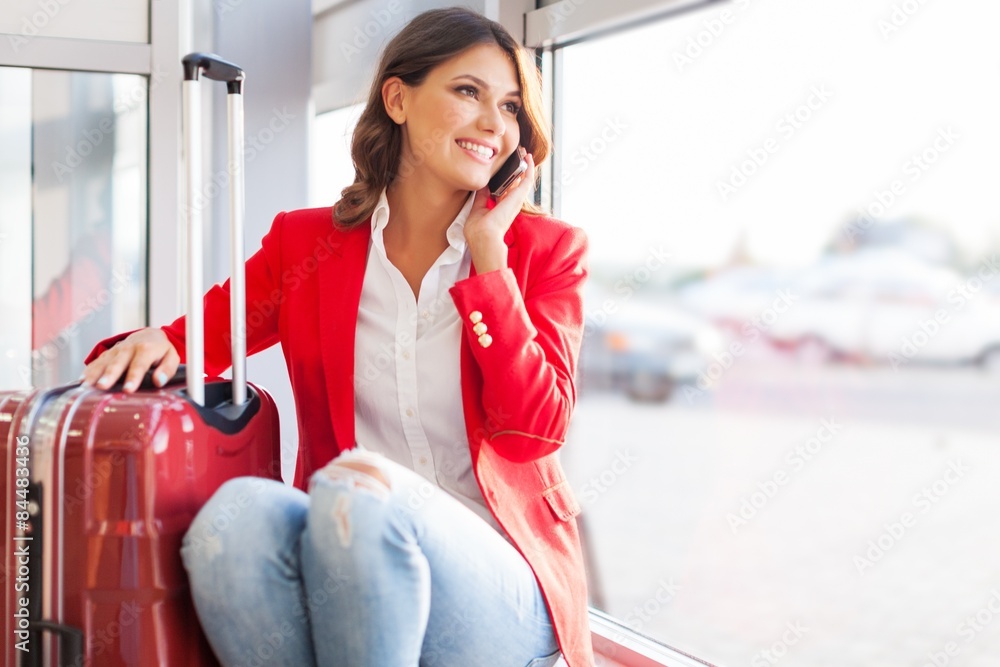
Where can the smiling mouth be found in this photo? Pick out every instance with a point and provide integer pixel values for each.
(480, 151)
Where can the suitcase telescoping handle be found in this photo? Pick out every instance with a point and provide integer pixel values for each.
(213, 67)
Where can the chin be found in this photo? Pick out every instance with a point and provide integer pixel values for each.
(470, 185)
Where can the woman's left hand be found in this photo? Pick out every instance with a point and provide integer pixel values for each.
(488, 226)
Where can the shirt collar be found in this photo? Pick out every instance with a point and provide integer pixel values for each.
(456, 230)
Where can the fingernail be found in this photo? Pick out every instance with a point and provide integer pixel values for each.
(130, 385)
(105, 380)
(161, 378)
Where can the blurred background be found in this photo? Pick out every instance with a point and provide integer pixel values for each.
(805, 392)
(786, 440)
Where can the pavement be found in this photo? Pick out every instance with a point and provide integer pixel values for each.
(801, 515)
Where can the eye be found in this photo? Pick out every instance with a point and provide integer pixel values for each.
(512, 107)
(463, 89)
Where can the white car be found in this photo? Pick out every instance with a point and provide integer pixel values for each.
(879, 304)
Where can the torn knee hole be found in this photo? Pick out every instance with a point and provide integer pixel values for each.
(362, 473)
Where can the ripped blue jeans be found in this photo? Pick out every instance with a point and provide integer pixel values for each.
(375, 566)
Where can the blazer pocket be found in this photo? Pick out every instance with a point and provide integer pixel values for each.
(561, 501)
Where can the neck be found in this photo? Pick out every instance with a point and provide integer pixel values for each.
(421, 213)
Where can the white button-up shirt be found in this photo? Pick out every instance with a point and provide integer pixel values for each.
(408, 391)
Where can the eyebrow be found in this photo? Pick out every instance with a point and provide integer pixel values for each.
(515, 93)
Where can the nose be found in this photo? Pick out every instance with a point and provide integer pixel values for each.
(491, 120)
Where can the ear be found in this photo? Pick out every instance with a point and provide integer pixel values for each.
(393, 98)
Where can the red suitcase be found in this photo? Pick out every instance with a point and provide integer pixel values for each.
(99, 487)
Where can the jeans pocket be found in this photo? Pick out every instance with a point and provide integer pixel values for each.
(545, 660)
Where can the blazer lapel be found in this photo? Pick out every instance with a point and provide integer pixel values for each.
(340, 295)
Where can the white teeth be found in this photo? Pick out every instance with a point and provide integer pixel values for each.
(482, 150)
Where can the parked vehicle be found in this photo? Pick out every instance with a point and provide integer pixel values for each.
(644, 349)
(879, 305)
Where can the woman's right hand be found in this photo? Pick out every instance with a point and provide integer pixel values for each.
(136, 354)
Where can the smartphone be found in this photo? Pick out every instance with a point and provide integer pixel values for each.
(511, 169)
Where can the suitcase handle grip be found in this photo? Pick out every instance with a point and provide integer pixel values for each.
(147, 380)
(70, 641)
(215, 68)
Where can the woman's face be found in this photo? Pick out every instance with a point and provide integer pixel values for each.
(460, 124)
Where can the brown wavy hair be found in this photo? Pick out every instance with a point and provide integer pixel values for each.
(427, 41)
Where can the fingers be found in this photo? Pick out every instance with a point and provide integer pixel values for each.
(146, 354)
(97, 372)
(479, 201)
(510, 202)
(529, 174)
(167, 368)
(133, 358)
(522, 186)
(119, 358)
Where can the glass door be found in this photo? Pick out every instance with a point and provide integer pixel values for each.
(73, 218)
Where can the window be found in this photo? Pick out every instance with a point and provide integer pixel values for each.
(73, 229)
(786, 438)
(332, 169)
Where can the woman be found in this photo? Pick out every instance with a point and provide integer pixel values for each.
(431, 336)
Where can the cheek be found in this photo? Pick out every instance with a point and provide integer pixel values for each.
(443, 126)
(512, 135)
(432, 130)
(453, 117)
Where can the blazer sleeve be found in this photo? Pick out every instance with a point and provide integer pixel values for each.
(264, 296)
(529, 364)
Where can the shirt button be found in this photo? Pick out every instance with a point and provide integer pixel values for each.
(423, 460)
(426, 315)
(409, 412)
(406, 354)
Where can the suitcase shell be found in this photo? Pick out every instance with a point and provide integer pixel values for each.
(115, 482)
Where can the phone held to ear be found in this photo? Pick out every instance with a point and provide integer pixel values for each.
(508, 173)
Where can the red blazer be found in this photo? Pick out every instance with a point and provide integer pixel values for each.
(518, 393)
